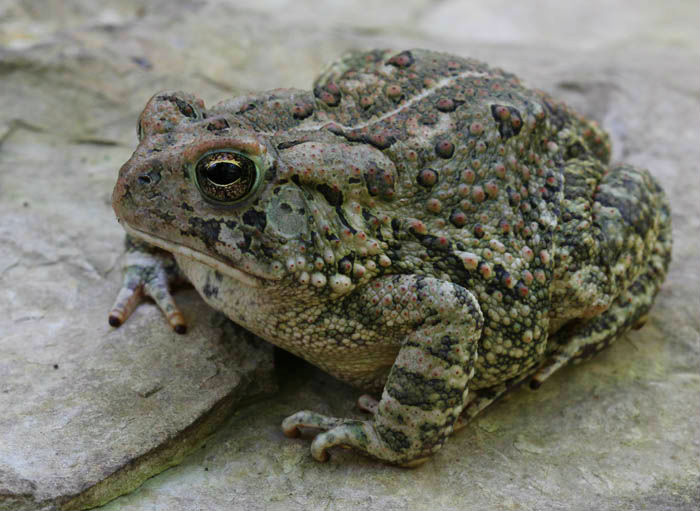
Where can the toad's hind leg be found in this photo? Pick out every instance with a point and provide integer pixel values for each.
(440, 324)
(480, 399)
(632, 221)
(584, 339)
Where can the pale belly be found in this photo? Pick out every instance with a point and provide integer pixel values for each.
(288, 318)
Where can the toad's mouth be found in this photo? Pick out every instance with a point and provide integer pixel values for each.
(180, 250)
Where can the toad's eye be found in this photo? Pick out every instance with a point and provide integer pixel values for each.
(226, 178)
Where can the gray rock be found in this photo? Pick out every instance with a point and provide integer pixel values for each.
(619, 432)
(90, 412)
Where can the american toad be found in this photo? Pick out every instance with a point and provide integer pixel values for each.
(419, 225)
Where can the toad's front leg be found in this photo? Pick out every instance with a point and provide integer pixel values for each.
(427, 386)
(148, 272)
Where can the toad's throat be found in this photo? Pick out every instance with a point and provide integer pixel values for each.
(180, 250)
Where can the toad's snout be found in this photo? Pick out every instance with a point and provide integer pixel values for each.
(136, 188)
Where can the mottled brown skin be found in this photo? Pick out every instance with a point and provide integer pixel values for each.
(419, 223)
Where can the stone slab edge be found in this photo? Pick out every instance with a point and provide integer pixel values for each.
(169, 454)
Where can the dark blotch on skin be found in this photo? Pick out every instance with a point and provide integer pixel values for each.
(206, 230)
(458, 218)
(184, 108)
(287, 145)
(427, 178)
(345, 264)
(218, 124)
(511, 126)
(334, 197)
(444, 149)
(255, 218)
(210, 291)
(369, 217)
(433, 243)
(398, 440)
(302, 110)
(380, 140)
(447, 105)
(268, 251)
(379, 182)
(575, 150)
(428, 119)
(425, 393)
(329, 94)
(341, 215)
(395, 226)
(246, 108)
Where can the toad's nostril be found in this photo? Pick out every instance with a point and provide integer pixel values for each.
(151, 177)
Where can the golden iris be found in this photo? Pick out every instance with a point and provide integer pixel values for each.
(225, 177)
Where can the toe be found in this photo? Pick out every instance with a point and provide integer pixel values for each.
(127, 300)
(367, 404)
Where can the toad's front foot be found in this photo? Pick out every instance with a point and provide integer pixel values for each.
(359, 435)
(148, 273)
(426, 389)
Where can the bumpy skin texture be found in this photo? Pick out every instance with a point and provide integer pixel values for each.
(423, 226)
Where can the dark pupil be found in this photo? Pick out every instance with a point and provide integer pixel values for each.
(223, 173)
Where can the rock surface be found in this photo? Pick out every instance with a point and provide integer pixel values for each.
(89, 412)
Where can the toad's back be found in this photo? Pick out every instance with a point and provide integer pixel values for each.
(486, 183)
(477, 186)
